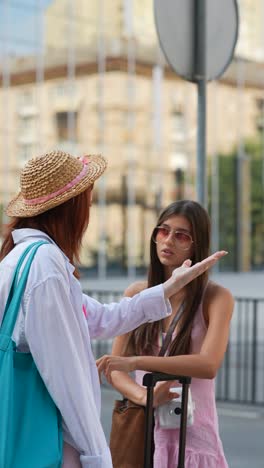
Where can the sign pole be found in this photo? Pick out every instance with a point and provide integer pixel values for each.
(198, 39)
(200, 77)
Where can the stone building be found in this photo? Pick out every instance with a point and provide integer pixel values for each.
(101, 84)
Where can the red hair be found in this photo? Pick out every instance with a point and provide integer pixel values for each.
(65, 224)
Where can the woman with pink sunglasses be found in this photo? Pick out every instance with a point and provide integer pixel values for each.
(197, 346)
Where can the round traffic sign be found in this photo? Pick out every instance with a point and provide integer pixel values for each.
(176, 24)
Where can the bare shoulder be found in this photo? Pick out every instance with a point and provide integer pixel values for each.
(135, 288)
(215, 291)
(216, 296)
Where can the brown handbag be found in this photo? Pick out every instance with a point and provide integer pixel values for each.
(128, 422)
(127, 435)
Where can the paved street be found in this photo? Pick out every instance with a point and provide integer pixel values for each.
(241, 431)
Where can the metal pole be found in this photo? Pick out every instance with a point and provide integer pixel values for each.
(149, 426)
(71, 70)
(239, 166)
(189, 133)
(157, 78)
(200, 76)
(131, 195)
(183, 426)
(254, 364)
(215, 181)
(40, 73)
(101, 58)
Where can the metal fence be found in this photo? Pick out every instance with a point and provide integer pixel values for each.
(241, 376)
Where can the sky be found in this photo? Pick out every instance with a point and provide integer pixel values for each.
(21, 26)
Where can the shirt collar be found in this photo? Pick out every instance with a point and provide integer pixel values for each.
(26, 234)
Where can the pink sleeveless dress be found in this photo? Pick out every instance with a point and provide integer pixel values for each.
(203, 445)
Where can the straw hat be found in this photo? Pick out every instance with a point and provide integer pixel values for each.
(50, 180)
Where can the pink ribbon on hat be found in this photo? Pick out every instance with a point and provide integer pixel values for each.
(75, 181)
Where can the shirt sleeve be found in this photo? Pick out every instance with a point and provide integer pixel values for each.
(108, 320)
(58, 349)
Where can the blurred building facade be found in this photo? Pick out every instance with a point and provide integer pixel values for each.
(101, 84)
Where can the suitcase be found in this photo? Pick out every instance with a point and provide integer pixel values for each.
(149, 381)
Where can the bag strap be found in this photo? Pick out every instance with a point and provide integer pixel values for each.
(15, 277)
(17, 289)
(172, 327)
(176, 318)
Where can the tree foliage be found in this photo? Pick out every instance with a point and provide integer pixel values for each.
(228, 194)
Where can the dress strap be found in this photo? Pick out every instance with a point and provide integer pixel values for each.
(172, 327)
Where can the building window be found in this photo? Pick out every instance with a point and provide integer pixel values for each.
(26, 98)
(66, 124)
(65, 89)
(178, 126)
(62, 125)
(26, 152)
(27, 125)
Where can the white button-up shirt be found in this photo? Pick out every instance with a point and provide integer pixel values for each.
(52, 326)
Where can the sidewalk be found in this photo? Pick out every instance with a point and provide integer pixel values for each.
(241, 429)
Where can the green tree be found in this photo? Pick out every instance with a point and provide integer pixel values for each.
(228, 202)
(255, 151)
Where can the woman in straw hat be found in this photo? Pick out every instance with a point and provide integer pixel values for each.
(56, 321)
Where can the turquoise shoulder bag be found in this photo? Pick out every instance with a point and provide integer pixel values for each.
(30, 423)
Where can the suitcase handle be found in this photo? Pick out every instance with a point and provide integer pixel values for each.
(149, 381)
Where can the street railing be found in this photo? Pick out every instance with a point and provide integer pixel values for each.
(241, 376)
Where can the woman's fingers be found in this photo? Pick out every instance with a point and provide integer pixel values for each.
(103, 367)
(163, 393)
(108, 363)
(190, 272)
(186, 273)
(102, 364)
(207, 263)
(99, 368)
(212, 259)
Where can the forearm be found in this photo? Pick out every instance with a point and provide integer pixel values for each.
(170, 288)
(122, 382)
(108, 320)
(193, 365)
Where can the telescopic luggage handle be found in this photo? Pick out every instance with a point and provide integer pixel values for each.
(149, 381)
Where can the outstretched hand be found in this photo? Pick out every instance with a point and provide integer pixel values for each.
(186, 273)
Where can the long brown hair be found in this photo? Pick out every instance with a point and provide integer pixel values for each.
(144, 339)
(65, 224)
